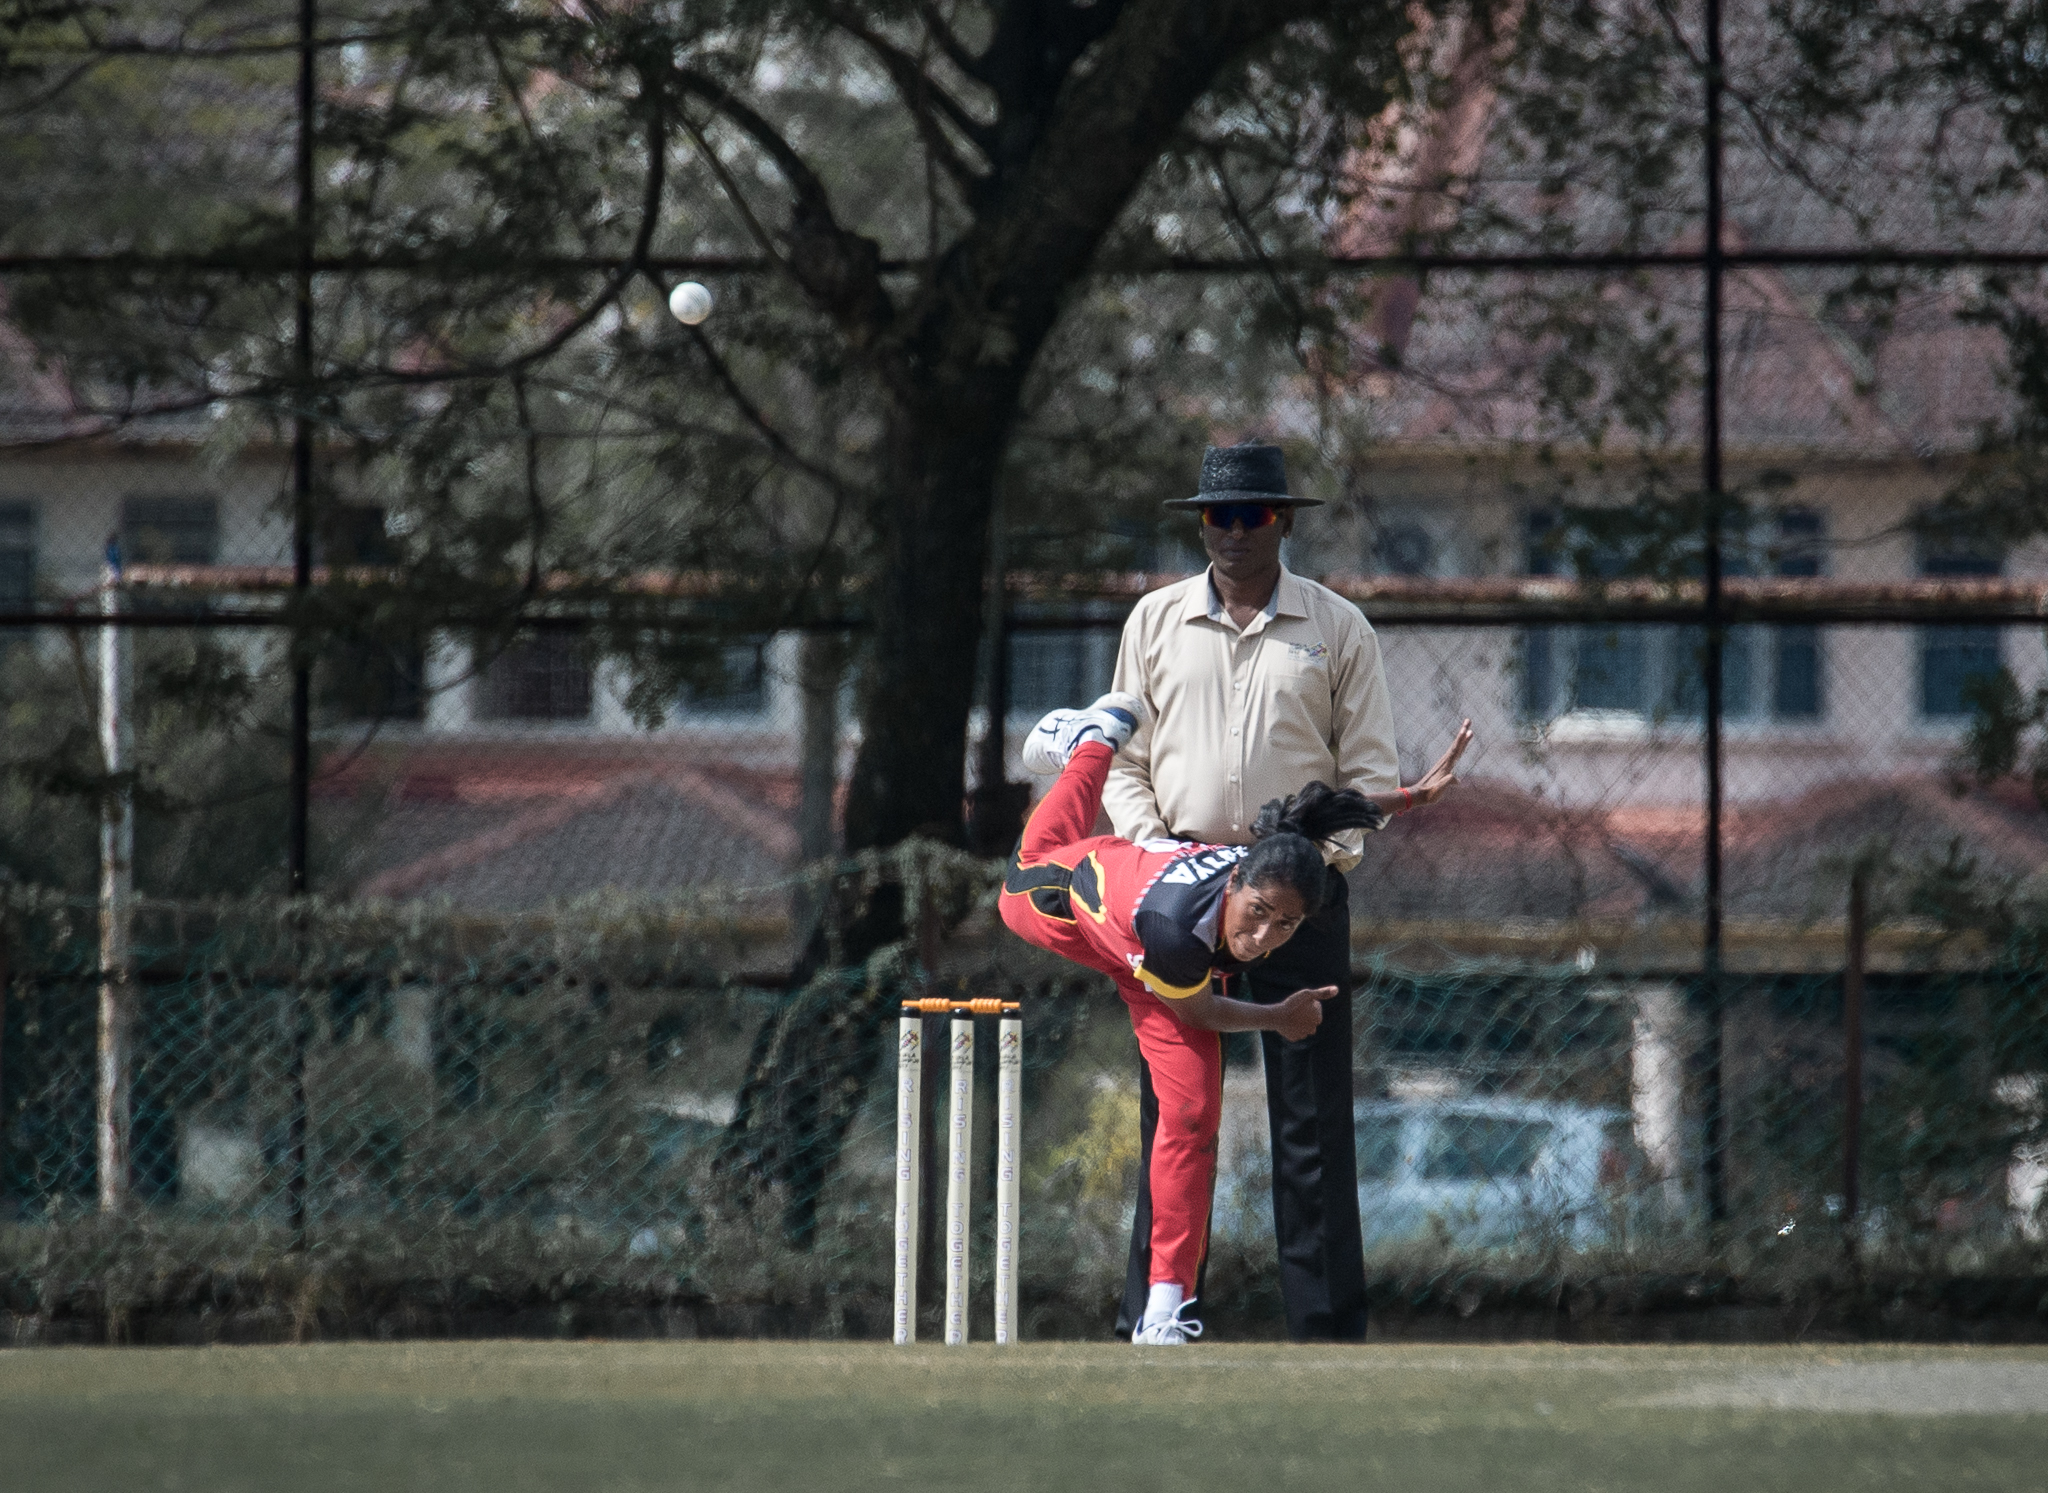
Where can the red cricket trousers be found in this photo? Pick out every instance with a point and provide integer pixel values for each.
(1186, 1064)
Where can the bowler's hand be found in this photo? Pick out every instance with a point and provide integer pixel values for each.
(1302, 1012)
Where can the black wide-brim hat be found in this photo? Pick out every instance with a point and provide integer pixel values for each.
(1250, 473)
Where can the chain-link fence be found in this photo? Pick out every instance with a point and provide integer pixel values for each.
(549, 1035)
(369, 530)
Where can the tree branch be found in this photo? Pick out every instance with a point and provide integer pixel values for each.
(949, 43)
(100, 49)
(55, 91)
(1248, 235)
(536, 510)
(812, 201)
(636, 262)
(733, 194)
(1063, 189)
(1034, 43)
(824, 476)
(919, 91)
(1767, 133)
(839, 270)
(533, 137)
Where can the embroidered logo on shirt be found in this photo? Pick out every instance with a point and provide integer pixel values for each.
(1309, 652)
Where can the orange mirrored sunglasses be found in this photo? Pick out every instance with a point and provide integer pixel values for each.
(1229, 515)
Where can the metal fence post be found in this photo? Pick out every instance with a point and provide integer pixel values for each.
(302, 467)
(5, 976)
(299, 811)
(117, 894)
(1715, 1099)
(821, 668)
(1852, 1058)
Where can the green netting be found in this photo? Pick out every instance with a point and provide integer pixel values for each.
(601, 1098)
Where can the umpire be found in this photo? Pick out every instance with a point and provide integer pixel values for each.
(1259, 682)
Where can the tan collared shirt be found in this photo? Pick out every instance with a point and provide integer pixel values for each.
(1240, 717)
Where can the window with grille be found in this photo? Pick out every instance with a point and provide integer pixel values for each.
(1657, 672)
(737, 683)
(354, 534)
(1796, 673)
(17, 554)
(538, 678)
(169, 531)
(1057, 667)
(1955, 659)
(367, 678)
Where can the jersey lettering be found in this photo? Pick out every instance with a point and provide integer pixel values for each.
(1190, 869)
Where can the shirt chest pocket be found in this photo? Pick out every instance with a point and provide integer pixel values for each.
(1301, 666)
(1294, 686)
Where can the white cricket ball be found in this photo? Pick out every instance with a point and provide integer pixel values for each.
(689, 303)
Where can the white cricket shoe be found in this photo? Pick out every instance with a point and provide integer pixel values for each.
(1169, 1332)
(1052, 741)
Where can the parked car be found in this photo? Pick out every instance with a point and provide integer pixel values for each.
(1491, 1173)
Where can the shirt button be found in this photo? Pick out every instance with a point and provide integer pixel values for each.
(1233, 777)
(1233, 730)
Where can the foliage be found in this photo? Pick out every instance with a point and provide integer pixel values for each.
(2008, 733)
(208, 788)
(1102, 1159)
(504, 192)
(514, 1121)
(520, 396)
(988, 274)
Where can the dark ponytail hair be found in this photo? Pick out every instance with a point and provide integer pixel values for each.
(1288, 832)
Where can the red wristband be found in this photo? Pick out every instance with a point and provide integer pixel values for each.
(1407, 802)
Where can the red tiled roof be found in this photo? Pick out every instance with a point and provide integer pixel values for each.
(1497, 852)
(1444, 364)
(510, 827)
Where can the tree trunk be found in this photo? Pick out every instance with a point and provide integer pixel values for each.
(813, 1060)
(821, 667)
(1071, 154)
(918, 687)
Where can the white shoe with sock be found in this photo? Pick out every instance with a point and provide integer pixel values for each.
(1163, 1325)
(1111, 719)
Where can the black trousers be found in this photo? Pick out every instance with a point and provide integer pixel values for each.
(1315, 1156)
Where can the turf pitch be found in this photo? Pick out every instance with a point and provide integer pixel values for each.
(512, 1417)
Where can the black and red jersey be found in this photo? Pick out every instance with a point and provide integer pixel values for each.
(1154, 907)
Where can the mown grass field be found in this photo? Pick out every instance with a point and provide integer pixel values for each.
(513, 1417)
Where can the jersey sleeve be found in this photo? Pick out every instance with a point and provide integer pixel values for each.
(1176, 963)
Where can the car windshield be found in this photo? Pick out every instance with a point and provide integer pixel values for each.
(1379, 1146)
(1477, 1148)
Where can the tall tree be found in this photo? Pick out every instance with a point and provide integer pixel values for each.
(917, 190)
(915, 214)
(898, 203)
